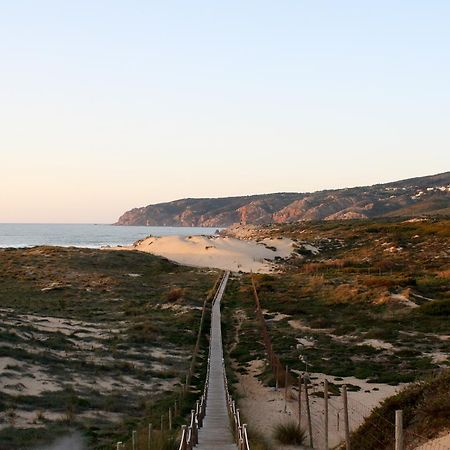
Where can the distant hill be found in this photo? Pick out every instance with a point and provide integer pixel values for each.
(428, 195)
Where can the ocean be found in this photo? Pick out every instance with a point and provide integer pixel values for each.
(85, 235)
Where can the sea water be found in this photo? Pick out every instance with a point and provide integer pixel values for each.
(86, 235)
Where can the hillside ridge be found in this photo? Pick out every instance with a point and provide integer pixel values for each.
(428, 195)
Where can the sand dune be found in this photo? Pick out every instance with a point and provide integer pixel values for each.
(218, 252)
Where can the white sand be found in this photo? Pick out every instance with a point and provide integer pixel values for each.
(405, 300)
(438, 357)
(377, 343)
(224, 253)
(305, 342)
(311, 248)
(299, 325)
(17, 377)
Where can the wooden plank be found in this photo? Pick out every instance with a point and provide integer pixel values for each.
(216, 431)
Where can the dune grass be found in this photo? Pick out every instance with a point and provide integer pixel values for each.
(426, 412)
(289, 433)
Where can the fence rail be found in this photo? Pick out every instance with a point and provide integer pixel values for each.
(189, 433)
(239, 428)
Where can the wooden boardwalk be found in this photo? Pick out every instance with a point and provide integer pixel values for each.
(216, 431)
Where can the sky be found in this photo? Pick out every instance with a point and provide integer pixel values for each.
(107, 105)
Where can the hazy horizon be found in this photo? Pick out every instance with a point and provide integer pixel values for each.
(107, 106)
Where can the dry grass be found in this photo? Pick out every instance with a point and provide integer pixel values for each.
(444, 274)
(344, 293)
(314, 283)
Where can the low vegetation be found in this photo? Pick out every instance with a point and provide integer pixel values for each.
(363, 299)
(93, 340)
(361, 306)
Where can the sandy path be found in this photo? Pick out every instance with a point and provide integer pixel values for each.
(263, 407)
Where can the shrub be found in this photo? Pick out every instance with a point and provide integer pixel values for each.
(436, 308)
(175, 294)
(289, 433)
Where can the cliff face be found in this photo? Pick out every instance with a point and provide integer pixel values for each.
(424, 195)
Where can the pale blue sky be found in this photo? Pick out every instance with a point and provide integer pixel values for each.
(108, 105)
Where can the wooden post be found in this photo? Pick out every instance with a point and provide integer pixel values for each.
(399, 430)
(325, 397)
(149, 437)
(308, 412)
(346, 423)
(133, 440)
(286, 389)
(175, 409)
(170, 419)
(245, 435)
(162, 424)
(183, 436)
(194, 429)
(299, 402)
